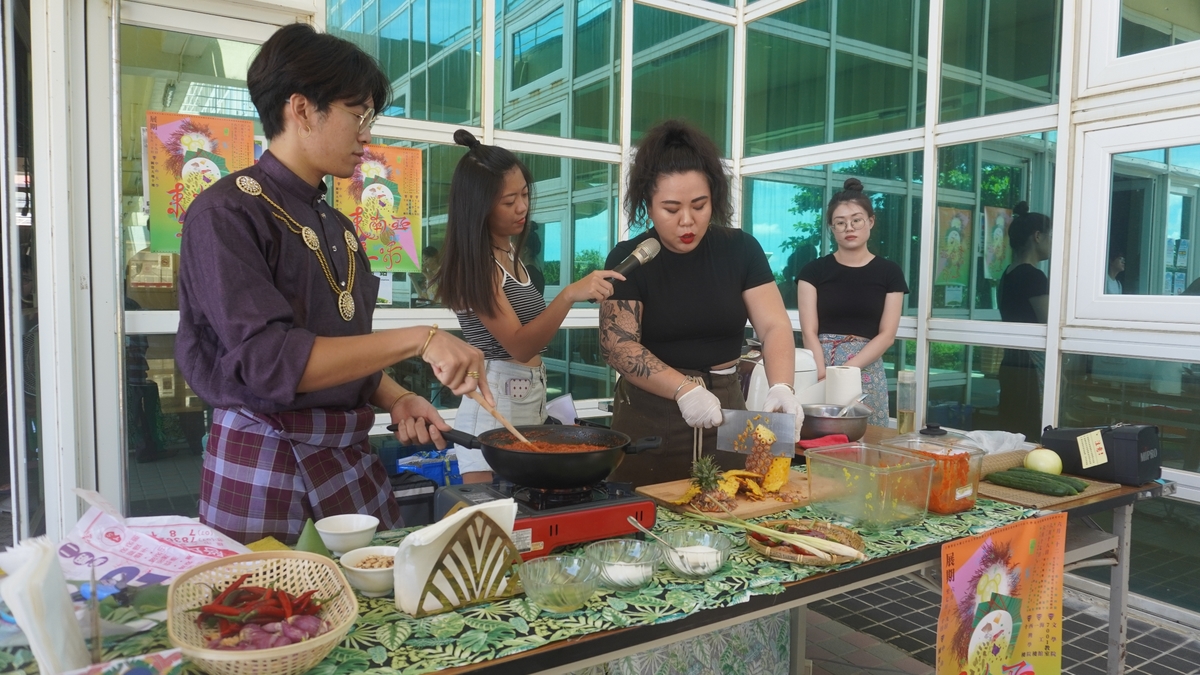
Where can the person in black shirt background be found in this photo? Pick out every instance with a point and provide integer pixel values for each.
(1024, 295)
(850, 300)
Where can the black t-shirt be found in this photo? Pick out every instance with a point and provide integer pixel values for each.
(693, 315)
(850, 300)
(1017, 286)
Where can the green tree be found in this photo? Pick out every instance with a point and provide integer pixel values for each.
(586, 262)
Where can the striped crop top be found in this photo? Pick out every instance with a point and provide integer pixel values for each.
(526, 301)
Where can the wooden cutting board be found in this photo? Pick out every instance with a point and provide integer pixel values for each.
(664, 493)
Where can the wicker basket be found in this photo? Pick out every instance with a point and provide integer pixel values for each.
(294, 572)
(835, 533)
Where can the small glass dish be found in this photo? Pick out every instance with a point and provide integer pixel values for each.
(625, 564)
(693, 561)
(560, 583)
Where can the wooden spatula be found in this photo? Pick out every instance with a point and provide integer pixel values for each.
(478, 398)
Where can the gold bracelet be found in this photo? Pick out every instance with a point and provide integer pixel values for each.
(421, 353)
(397, 400)
(686, 379)
(793, 389)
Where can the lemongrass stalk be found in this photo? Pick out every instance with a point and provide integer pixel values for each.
(825, 545)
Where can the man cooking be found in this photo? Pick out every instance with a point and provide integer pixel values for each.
(275, 304)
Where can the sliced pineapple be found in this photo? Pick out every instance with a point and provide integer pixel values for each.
(777, 476)
(692, 492)
(729, 486)
(763, 435)
(738, 473)
(751, 486)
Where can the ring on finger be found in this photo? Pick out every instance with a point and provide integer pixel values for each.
(473, 373)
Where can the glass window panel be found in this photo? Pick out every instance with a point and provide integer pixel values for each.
(886, 23)
(1153, 223)
(809, 14)
(785, 210)
(428, 49)
(537, 51)
(669, 50)
(591, 235)
(974, 387)
(1146, 25)
(784, 215)
(176, 73)
(1103, 390)
(871, 97)
(578, 76)
(979, 185)
(1020, 67)
(785, 92)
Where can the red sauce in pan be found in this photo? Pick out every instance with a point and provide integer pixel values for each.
(547, 446)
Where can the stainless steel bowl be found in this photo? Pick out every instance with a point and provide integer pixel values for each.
(819, 421)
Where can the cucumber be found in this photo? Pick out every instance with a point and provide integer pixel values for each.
(1076, 483)
(1021, 480)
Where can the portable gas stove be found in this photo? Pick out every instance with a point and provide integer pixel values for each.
(551, 519)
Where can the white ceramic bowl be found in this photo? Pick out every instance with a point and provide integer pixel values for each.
(370, 582)
(347, 532)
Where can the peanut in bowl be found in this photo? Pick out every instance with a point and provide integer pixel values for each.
(370, 569)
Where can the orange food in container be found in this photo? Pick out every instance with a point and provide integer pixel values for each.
(956, 468)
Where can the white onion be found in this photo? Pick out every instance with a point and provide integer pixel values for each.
(1045, 461)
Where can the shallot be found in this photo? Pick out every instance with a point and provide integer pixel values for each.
(276, 634)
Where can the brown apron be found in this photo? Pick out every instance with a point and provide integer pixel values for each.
(638, 413)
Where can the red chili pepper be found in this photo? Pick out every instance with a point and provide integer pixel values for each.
(219, 610)
(231, 588)
(760, 537)
(285, 600)
(228, 628)
(302, 602)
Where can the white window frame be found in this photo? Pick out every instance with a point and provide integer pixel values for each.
(1088, 305)
(515, 94)
(1101, 71)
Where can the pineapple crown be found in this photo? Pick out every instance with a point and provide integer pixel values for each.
(706, 475)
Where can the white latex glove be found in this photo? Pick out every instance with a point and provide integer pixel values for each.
(780, 398)
(701, 408)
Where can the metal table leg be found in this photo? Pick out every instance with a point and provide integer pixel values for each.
(1119, 590)
(799, 619)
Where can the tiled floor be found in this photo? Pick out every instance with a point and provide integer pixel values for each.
(899, 617)
(170, 485)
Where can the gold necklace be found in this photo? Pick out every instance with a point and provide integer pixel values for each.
(345, 299)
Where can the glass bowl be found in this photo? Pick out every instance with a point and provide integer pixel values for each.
(560, 583)
(696, 564)
(625, 564)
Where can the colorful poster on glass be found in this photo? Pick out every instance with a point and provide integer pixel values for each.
(954, 247)
(1002, 601)
(383, 199)
(186, 154)
(995, 250)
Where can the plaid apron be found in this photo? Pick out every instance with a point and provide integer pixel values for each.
(265, 475)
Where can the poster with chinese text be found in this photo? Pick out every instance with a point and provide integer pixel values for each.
(995, 244)
(186, 154)
(1002, 601)
(383, 199)
(954, 247)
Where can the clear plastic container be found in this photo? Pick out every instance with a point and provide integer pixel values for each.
(956, 469)
(872, 487)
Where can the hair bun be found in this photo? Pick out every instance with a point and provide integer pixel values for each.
(1021, 208)
(464, 137)
(852, 185)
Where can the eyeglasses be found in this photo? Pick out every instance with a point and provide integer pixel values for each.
(365, 120)
(856, 223)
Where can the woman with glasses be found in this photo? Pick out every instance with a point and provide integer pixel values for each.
(674, 330)
(850, 300)
(275, 302)
(483, 278)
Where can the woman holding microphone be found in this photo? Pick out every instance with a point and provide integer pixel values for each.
(500, 310)
(674, 329)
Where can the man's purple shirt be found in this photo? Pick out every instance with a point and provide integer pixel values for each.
(253, 298)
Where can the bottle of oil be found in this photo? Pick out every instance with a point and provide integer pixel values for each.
(906, 401)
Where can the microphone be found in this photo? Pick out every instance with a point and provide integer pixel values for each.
(641, 255)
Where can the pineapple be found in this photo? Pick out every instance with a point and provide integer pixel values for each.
(759, 459)
(706, 476)
(777, 475)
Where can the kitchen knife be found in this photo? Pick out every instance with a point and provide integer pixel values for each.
(736, 433)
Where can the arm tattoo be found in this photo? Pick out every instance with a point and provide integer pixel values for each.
(620, 340)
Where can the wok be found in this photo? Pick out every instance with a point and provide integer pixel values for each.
(559, 470)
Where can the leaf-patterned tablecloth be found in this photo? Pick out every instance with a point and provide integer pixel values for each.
(387, 641)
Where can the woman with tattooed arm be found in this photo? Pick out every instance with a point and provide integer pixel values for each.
(674, 328)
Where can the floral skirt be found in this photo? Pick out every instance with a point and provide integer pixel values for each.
(841, 348)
